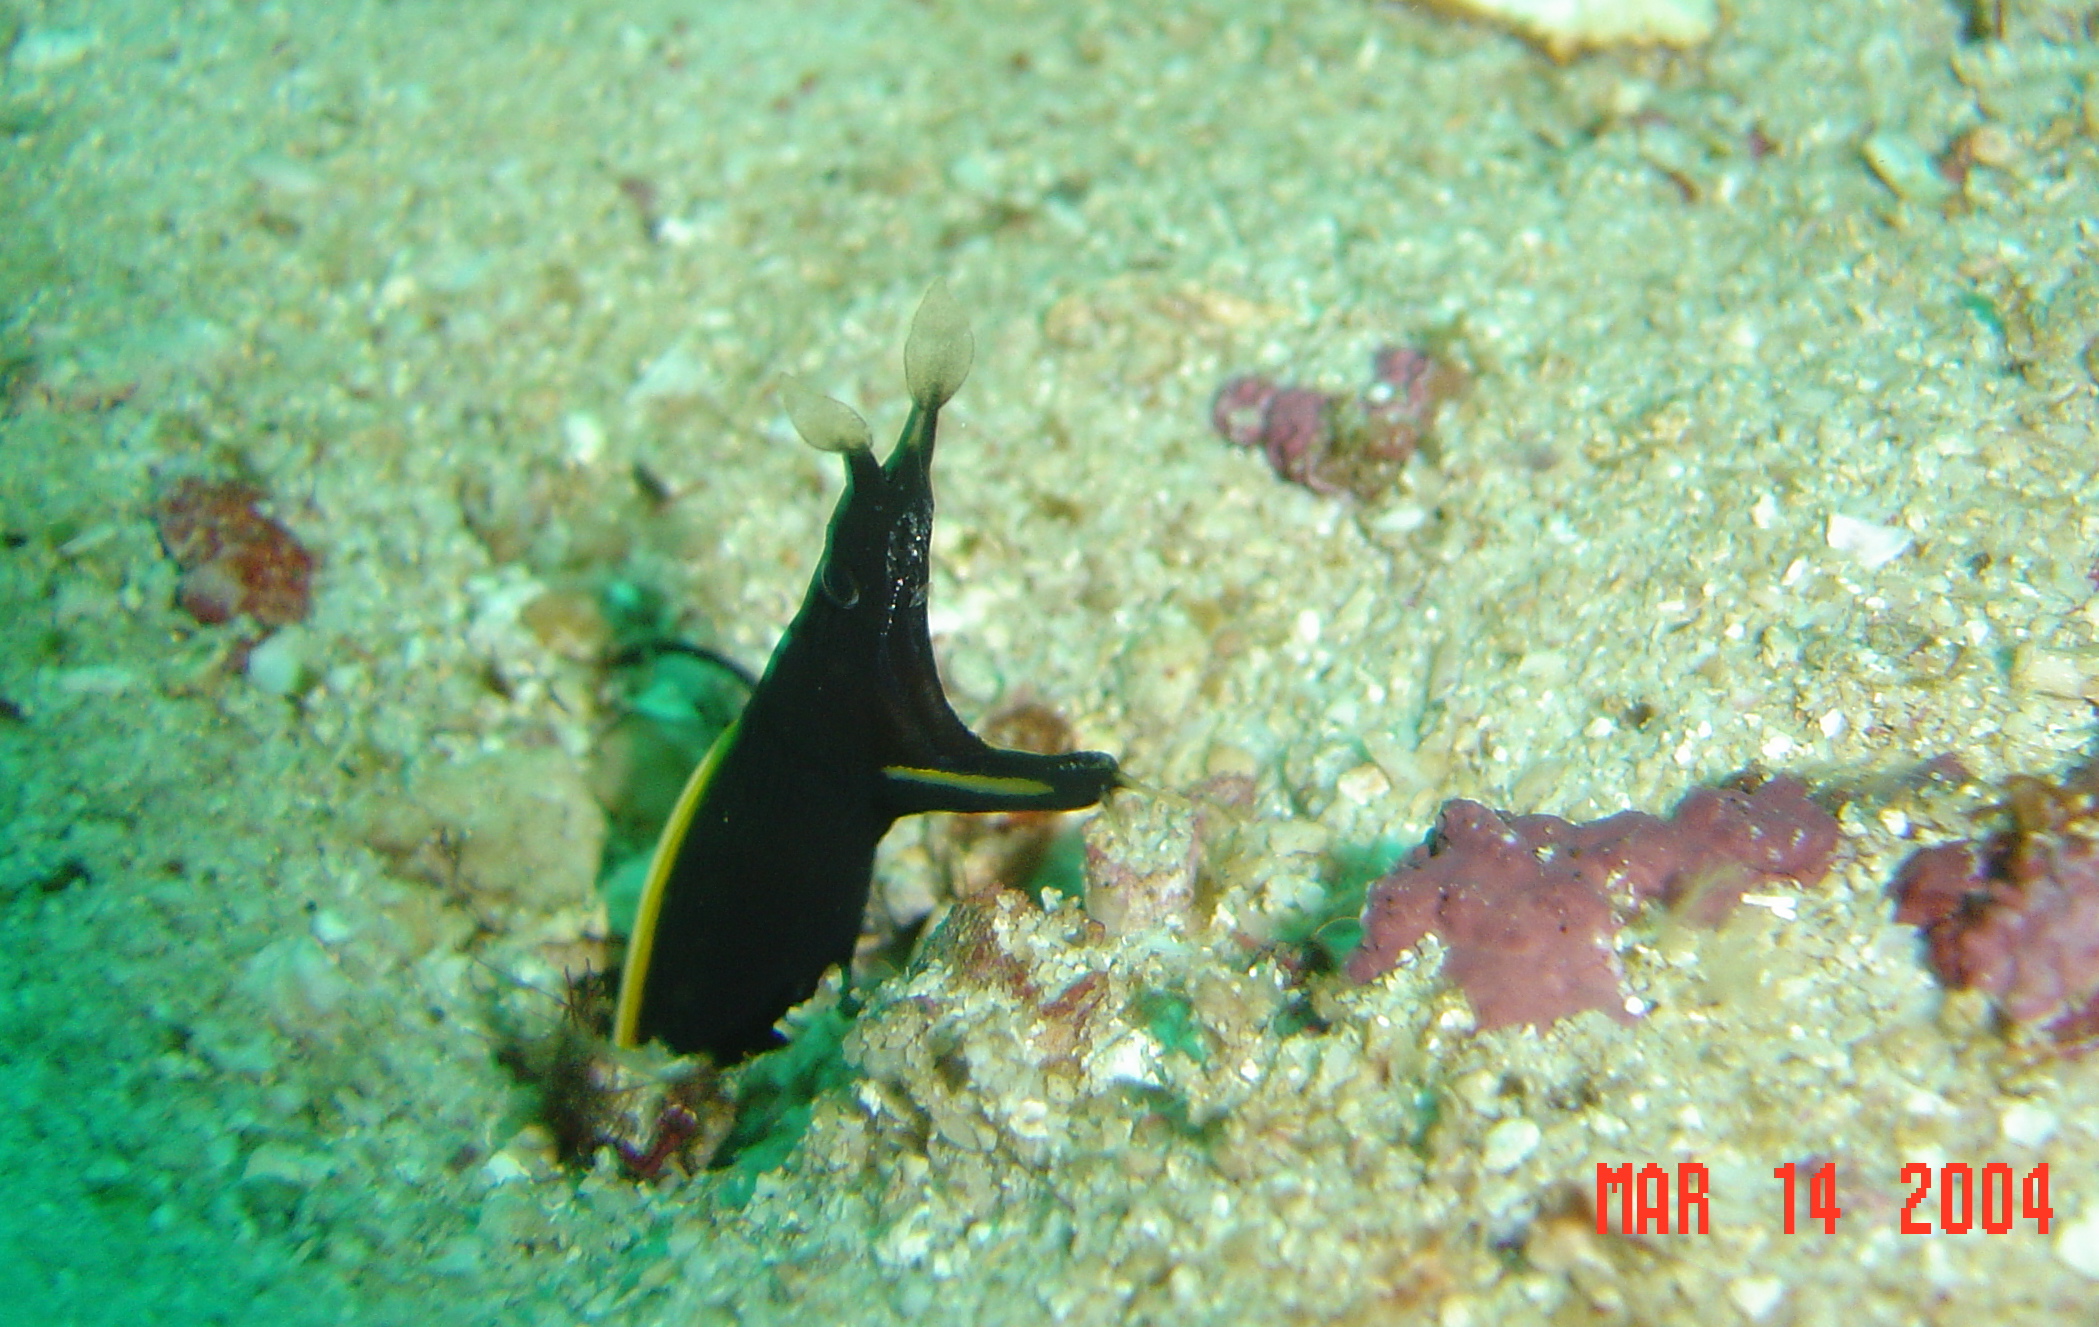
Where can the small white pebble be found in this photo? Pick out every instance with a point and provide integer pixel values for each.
(1363, 785)
(1782, 906)
(43, 51)
(1870, 545)
(1030, 1120)
(284, 177)
(330, 929)
(501, 1168)
(2057, 673)
(1401, 519)
(870, 1097)
(278, 665)
(1127, 1060)
(2026, 1124)
(1763, 514)
(1508, 1143)
(1756, 1296)
(2078, 1246)
(584, 436)
(1904, 166)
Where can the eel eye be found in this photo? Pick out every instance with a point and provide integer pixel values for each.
(840, 587)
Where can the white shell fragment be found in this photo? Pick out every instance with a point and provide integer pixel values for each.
(1905, 167)
(1564, 27)
(825, 424)
(1870, 545)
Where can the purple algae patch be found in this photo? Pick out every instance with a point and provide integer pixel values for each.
(1333, 443)
(2015, 914)
(1239, 411)
(1527, 907)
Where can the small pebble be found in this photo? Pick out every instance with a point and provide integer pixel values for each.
(2078, 1246)
(1363, 785)
(501, 1168)
(1508, 1143)
(1564, 27)
(2026, 1124)
(1906, 168)
(1756, 1296)
(278, 665)
(1870, 545)
(2063, 674)
(330, 929)
(585, 438)
(52, 48)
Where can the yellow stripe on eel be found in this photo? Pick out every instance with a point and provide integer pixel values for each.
(997, 784)
(641, 943)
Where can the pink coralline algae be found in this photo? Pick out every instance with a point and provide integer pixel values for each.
(234, 559)
(1337, 444)
(1527, 906)
(2015, 914)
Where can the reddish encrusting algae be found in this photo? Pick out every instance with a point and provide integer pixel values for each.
(1527, 906)
(1335, 444)
(2015, 913)
(234, 559)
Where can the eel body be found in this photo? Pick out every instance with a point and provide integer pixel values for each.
(761, 876)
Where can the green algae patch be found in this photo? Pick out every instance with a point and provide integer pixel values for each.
(776, 1095)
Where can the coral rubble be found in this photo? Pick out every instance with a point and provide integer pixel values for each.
(1566, 27)
(234, 559)
(2015, 914)
(1337, 444)
(1527, 905)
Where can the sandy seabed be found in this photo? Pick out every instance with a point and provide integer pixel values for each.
(1777, 453)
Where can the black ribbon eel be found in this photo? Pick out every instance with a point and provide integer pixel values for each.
(762, 873)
